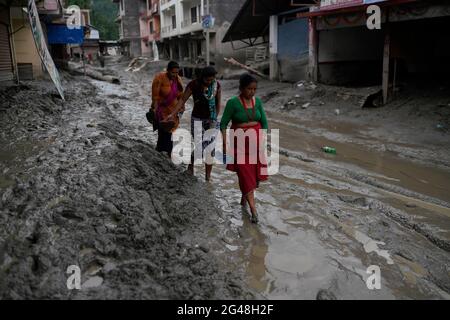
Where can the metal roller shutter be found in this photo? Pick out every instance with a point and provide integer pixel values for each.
(6, 66)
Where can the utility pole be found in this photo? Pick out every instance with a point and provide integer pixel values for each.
(207, 36)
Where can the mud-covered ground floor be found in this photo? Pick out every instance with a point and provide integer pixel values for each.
(81, 184)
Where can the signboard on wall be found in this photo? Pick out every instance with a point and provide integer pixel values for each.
(372, 1)
(208, 21)
(61, 34)
(41, 46)
(337, 4)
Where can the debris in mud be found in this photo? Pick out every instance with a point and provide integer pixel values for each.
(325, 295)
(372, 100)
(269, 96)
(329, 150)
(441, 127)
(361, 201)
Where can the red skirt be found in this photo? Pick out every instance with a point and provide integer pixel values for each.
(249, 172)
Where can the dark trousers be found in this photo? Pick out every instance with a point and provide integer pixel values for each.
(165, 142)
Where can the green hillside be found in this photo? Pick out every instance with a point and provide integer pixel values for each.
(103, 13)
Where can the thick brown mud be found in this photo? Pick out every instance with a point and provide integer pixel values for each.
(93, 198)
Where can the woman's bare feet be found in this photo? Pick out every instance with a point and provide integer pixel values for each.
(208, 170)
(254, 218)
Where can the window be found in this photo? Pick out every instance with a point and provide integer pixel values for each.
(174, 22)
(194, 15)
(149, 4)
(121, 5)
(151, 27)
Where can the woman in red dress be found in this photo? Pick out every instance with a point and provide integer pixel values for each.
(248, 122)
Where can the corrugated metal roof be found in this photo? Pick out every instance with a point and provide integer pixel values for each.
(252, 21)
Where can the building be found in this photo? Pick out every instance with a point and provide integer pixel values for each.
(328, 41)
(150, 27)
(19, 58)
(90, 46)
(7, 63)
(274, 25)
(412, 43)
(183, 37)
(129, 26)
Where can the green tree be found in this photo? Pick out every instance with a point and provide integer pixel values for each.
(103, 14)
(83, 4)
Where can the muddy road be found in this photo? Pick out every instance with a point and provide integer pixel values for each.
(77, 187)
(383, 200)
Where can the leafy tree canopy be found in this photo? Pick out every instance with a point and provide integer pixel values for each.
(103, 14)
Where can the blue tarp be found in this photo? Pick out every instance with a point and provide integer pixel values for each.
(60, 34)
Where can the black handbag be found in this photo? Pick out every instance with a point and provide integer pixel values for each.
(150, 115)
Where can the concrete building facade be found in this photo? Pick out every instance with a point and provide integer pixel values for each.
(412, 43)
(19, 58)
(129, 26)
(183, 37)
(150, 26)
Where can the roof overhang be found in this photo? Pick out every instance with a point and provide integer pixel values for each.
(351, 8)
(252, 21)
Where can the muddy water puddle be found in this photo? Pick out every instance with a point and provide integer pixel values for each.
(429, 181)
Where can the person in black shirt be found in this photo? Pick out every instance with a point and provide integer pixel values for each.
(206, 93)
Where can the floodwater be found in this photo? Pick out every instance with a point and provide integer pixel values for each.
(324, 219)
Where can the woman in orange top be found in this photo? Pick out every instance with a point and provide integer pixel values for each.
(167, 89)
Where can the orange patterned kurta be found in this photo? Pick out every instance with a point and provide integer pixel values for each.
(161, 87)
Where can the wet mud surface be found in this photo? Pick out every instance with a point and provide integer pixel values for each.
(87, 188)
(77, 189)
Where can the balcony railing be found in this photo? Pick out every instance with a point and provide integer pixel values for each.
(189, 26)
(166, 30)
(163, 2)
(185, 23)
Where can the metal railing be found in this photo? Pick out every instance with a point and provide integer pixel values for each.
(163, 2)
(166, 30)
(186, 23)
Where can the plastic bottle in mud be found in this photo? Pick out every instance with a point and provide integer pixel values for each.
(329, 150)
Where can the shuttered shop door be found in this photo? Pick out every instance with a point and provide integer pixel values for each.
(6, 67)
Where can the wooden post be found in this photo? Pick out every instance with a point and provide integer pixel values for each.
(273, 47)
(395, 77)
(208, 56)
(191, 56)
(386, 57)
(313, 50)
